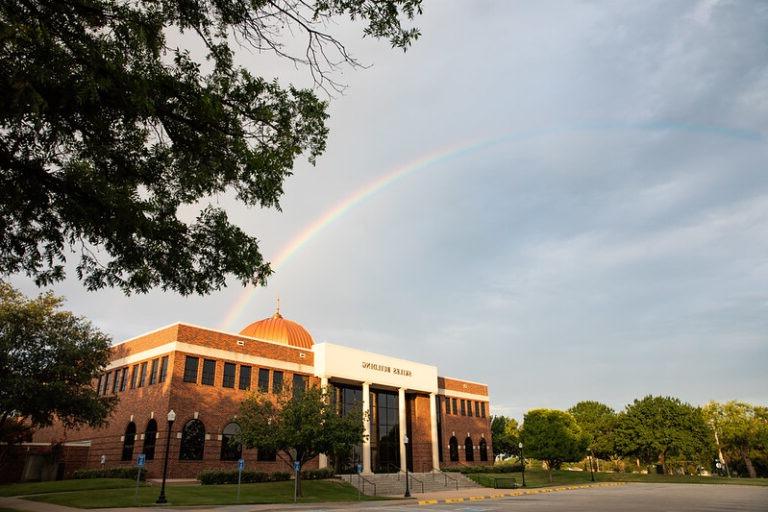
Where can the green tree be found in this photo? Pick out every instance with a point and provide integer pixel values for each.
(554, 437)
(48, 360)
(299, 425)
(656, 428)
(597, 421)
(742, 429)
(505, 434)
(112, 138)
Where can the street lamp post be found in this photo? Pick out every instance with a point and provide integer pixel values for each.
(171, 418)
(407, 486)
(522, 460)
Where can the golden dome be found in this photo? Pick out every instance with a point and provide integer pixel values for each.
(279, 330)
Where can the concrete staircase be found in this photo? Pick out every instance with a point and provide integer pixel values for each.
(393, 484)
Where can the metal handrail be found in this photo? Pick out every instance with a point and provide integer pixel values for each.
(362, 481)
(416, 479)
(395, 466)
(455, 480)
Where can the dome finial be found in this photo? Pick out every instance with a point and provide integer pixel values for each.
(277, 311)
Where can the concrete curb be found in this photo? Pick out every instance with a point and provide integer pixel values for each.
(520, 492)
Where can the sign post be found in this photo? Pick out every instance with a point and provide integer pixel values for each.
(140, 460)
(296, 467)
(240, 466)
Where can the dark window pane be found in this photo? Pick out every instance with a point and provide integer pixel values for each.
(116, 382)
(143, 374)
(100, 384)
(482, 409)
(209, 372)
(263, 380)
(231, 449)
(163, 369)
(299, 384)
(153, 372)
(245, 377)
(483, 450)
(453, 449)
(455, 409)
(469, 450)
(228, 380)
(128, 440)
(192, 441)
(190, 369)
(277, 382)
(469, 407)
(266, 455)
(123, 378)
(134, 375)
(463, 407)
(150, 439)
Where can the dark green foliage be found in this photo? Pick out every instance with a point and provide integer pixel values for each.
(656, 428)
(216, 477)
(121, 472)
(48, 359)
(505, 434)
(597, 421)
(317, 474)
(553, 437)
(108, 132)
(499, 468)
(301, 425)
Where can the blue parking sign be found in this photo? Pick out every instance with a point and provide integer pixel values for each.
(140, 460)
(241, 464)
(296, 466)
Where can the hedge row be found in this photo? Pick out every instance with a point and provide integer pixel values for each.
(499, 468)
(317, 474)
(120, 472)
(217, 477)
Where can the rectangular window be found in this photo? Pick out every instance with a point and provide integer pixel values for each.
(263, 380)
(245, 377)
(477, 409)
(106, 383)
(455, 409)
(100, 384)
(190, 369)
(299, 384)
(463, 407)
(143, 374)
(469, 407)
(228, 381)
(482, 409)
(153, 372)
(209, 372)
(163, 369)
(123, 378)
(277, 382)
(116, 382)
(134, 374)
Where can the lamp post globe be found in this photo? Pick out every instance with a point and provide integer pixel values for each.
(407, 487)
(171, 418)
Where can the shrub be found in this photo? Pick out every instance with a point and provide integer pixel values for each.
(118, 472)
(317, 474)
(218, 477)
(498, 468)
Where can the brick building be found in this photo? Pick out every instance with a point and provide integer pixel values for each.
(203, 374)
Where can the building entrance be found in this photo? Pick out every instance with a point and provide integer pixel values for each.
(347, 400)
(385, 432)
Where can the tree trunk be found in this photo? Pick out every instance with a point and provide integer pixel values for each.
(748, 463)
(298, 484)
(549, 471)
(663, 461)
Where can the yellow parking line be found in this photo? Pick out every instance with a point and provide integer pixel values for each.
(477, 498)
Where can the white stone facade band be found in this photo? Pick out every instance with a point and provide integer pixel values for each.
(322, 459)
(433, 431)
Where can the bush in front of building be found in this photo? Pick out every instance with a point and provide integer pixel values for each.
(317, 474)
(216, 477)
(123, 472)
(499, 468)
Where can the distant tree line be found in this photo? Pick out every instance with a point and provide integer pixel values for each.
(655, 433)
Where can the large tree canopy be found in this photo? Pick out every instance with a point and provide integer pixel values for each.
(597, 421)
(107, 131)
(656, 428)
(506, 435)
(554, 437)
(742, 431)
(48, 359)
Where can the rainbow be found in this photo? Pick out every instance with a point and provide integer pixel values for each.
(440, 155)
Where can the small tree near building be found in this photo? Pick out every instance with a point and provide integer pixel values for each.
(505, 434)
(48, 360)
(554, 437)
(299, 426)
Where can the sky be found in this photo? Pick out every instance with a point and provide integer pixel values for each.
(578, 207)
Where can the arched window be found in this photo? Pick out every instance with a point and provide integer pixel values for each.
(483, 450)
(128, 441)
(150, 439)
(192, 441)
(469, 450)
(231, 448)
(453, 449)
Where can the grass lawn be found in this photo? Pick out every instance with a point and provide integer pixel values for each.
(271, 492)
(539, 478)
(64, 486)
